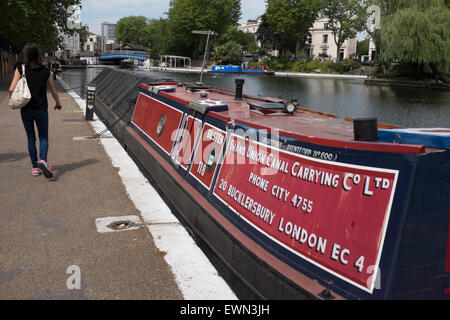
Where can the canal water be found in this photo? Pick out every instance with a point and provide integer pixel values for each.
(409, 107)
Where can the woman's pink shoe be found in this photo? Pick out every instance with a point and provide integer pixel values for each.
(36, 172)
(46, 168)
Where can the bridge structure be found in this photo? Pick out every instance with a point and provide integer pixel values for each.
(123, 55)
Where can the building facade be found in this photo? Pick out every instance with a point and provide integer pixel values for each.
(70, 46)
(251, 26)
(109, 32)
(95, 43)
(321, 44)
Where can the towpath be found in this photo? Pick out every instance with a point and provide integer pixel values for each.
(50, 244)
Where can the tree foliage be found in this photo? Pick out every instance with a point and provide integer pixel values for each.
(418, 31)
(188, 15)
(133, 29)
(290, 20)
(246, 40)
(346, 19)
(229, 53)
(362, 47)
(270, 40)
(23, 21)
(158, 31)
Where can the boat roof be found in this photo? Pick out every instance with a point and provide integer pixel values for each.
(304, 124)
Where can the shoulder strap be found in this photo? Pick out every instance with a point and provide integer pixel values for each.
(23, 71)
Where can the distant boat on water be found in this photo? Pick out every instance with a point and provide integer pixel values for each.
(239, 69)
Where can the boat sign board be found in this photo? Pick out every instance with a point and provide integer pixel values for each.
(207, 154)
(334, 215)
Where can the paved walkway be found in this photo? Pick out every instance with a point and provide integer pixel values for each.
(46, 226)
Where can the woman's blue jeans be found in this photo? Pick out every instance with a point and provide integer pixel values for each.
(29, 117)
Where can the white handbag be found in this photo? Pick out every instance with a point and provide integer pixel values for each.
(21, 94)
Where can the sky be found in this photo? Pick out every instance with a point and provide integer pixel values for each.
(94, 12)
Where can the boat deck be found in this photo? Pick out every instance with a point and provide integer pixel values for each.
(308, 125)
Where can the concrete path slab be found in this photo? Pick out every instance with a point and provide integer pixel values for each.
(48, 226)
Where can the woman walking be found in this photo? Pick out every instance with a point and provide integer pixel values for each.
(36, 111)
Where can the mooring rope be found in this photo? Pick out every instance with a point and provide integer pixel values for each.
(131, 103)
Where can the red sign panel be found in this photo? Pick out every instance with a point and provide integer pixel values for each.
(141, 110)
(157, 120)
(207, 154)
(334, 215)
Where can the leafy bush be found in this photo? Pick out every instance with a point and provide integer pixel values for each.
(279, 64)
(337, 68)
(350, 63)
(229, 53)
(300, 66)
(314, 66)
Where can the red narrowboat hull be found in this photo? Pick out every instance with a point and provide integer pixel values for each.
(290, 204)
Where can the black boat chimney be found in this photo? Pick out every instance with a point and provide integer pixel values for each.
(365, 129)
(239, 88)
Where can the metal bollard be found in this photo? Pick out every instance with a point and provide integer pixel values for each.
(90, 103)
(239, 88)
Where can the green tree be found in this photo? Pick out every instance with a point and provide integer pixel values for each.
(247, 40)
(188, 15)
(84, 34)
(133, 29)
(270, 40)
(23, 21)
(290, 20)
(387, 7)
(346, 19)
(229, 53)
(419, 32)
(362, 47)
(158, 30)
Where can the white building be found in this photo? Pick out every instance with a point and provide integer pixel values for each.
(251, 26)
(321, 43)
(70, 46)
(109, 32)
(320, 40)
(95, 43)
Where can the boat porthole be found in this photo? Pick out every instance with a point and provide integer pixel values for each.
(161, 124)
(211, 161)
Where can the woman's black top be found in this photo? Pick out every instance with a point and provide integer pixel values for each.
(37, 83)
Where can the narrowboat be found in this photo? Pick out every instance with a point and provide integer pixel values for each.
(291, 203)
(238, 69)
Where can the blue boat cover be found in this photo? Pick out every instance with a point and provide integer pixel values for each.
(227, 68)
(438, 138)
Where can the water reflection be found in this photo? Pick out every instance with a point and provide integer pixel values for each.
(410, 107)
(78, 78)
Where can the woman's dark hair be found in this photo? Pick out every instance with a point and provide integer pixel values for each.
(31, 55)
